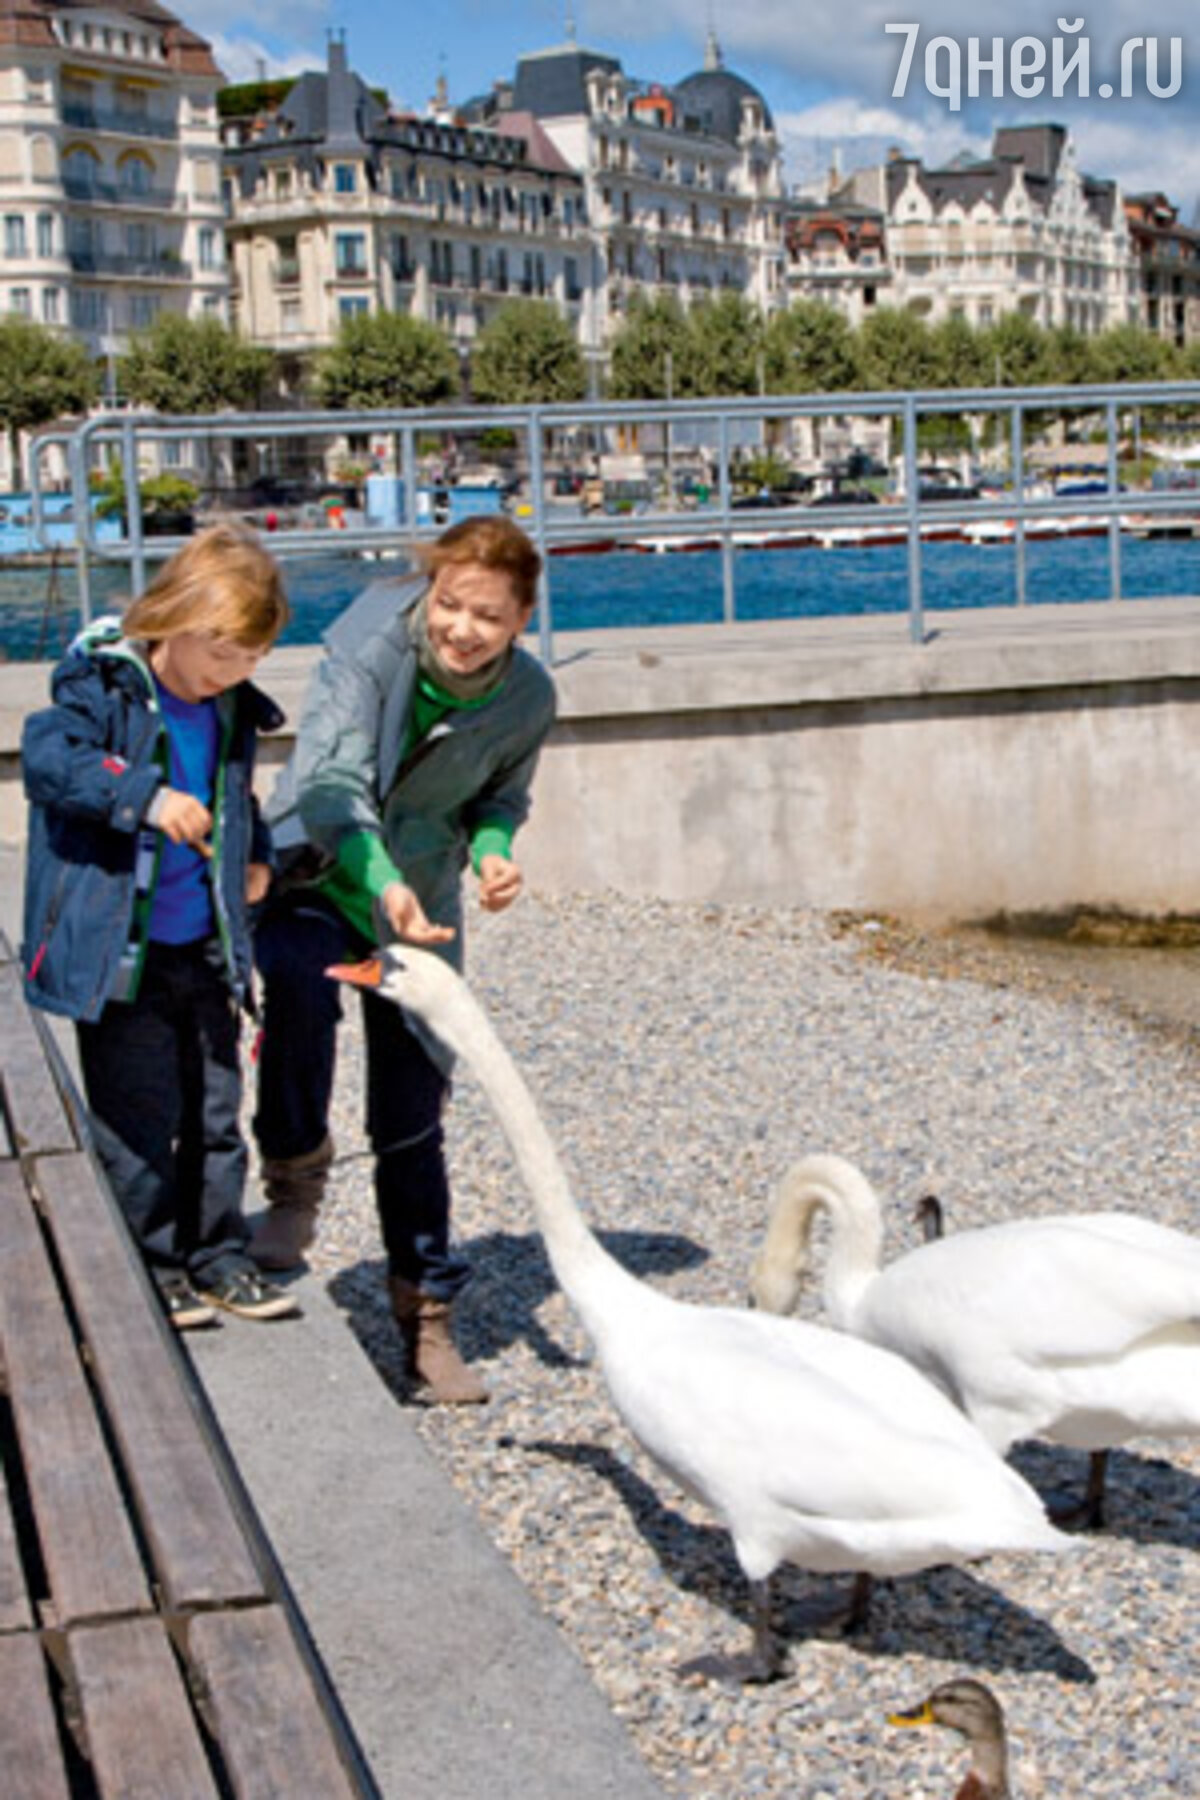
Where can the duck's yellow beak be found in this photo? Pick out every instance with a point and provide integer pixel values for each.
(921, 1715)
(367, 974)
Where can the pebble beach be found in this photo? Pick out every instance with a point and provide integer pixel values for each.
(682, 1057)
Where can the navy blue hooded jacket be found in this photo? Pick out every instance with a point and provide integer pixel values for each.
(92, 763)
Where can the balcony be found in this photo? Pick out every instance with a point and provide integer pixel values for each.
(108, 193)
(287, 271)
(125, 124)
(163, 267)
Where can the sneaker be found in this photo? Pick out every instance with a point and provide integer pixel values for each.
(184, 1306)
(244, 1292)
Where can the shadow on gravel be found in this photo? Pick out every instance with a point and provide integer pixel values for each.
(1148, 1500)
(945, 1612)
(511, 1279)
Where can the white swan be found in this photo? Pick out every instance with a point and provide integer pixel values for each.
(1084, 1329)
(811, 1446)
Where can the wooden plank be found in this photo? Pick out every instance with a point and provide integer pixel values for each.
(16, 1614)
(37, 1115)
(201, 1553)
(91, 1558)
(142, 1736)
(33, 1753)
(274, 1737)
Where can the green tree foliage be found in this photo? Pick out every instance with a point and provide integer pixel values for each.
(723, 348)
(386, 359)
(182, 365)
(1018, 352)
(652, 327)
(527, 355)
(809, 349)
(1127, 353)
(959, 355)
(895, 350)
(42, 377)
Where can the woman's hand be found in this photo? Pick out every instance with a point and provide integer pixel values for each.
(406, 916)
(258, 880)
(500, 881)
(182, 818)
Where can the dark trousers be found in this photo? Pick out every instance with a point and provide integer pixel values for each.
(163, 1085)
(297, 939)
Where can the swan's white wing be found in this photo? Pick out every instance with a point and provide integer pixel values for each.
(1040, 1290)
(818, 1446)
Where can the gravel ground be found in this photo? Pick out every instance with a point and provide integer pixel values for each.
(682, 1057)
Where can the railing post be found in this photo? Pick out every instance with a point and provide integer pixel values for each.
(537, 496)
(1018, 471)
(133, 503)
(81, 506)
(728, 594)
(1114, 518)
(912, 496)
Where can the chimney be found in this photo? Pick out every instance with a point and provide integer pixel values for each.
(340, 95)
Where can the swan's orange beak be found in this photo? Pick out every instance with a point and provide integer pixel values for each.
(367, 974)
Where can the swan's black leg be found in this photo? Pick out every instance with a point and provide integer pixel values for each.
(1089, 1511)
(764, 1661)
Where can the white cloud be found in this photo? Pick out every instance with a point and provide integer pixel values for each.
(245, 59)
(854, 135)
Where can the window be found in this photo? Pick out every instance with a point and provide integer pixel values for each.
(135, 176)
(350, 253)
(139, 240)
(45, 234)
(87, 310)
(14, 234)
(143, 310)
(208, 247)
(345, 178)
(281, 182)
(352, 306)
(51, 302)
(18, 301)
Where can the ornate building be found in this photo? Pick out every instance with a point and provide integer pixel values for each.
(837, 254)
(1168, 257)
(337, 206)
(682, 183)
(1022, 231)
(110, 193)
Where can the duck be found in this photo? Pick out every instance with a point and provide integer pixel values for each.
(1081, 1329)
(810, 1446)
(971, 1708)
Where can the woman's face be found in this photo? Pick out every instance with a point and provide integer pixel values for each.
(472, 615)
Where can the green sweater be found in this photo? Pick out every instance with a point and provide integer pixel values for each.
(363, 868)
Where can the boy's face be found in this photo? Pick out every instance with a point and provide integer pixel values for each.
(472, 615)
(196, 666)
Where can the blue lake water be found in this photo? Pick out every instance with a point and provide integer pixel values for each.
(623, 588)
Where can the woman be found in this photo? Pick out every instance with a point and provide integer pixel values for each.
(414, 758)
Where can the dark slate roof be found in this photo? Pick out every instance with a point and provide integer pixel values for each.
(714, 97)
(1039, 147)
(552, 84)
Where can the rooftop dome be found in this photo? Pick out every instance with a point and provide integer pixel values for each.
(715, 95)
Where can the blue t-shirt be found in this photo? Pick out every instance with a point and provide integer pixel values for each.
(182, 909)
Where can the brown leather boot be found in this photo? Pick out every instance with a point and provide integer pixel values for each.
(294, 1187)
(430, 1351)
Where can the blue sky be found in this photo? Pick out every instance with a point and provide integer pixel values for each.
(827, 72)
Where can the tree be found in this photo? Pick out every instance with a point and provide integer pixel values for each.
(959, 356)
(386, 359)
(182, 365)
(526, 355)
(653, 328)
(42, 376)
(895, 351)
(1130, 353)
(723, 347)
(809, 349)
(1018, 352)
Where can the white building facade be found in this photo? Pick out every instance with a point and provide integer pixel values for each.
(1024, 231)
(110, 191)
(683, 184)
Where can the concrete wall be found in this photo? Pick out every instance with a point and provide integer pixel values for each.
(1015, 762)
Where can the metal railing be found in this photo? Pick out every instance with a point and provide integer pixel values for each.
(721, 424)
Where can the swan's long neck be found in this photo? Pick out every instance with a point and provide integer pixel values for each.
(856, 1239)
(586, 1272)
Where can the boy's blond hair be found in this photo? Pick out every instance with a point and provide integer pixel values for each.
(222, 583)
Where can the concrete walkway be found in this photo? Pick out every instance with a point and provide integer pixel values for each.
(455, 1685)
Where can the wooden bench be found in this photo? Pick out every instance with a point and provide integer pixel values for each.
(148, 1641)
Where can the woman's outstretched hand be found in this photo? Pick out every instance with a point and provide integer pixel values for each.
(406, 916)
(500, 882)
